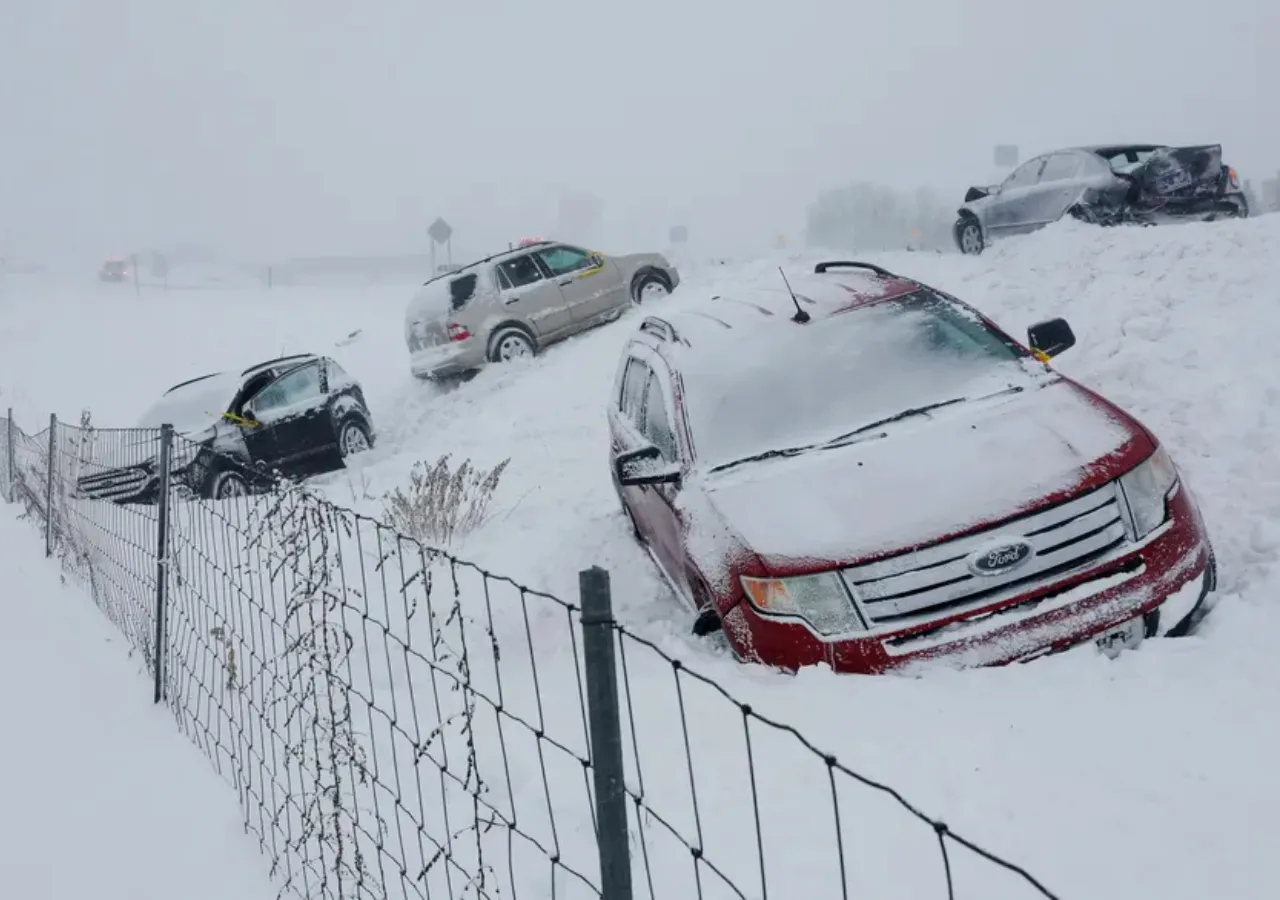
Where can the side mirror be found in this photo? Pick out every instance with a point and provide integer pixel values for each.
(1051, 337)
(977, 193)
(643, 466)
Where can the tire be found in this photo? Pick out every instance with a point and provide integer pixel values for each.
(353, 438)
(707, 621)
(650, 286)
(228, 484)
(511, 342)
(1192, 621)
(1083, 214)
(969, 237)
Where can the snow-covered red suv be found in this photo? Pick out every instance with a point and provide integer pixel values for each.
(860, 470)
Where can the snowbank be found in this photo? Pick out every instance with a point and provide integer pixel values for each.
(104, 798)
(1149, 775)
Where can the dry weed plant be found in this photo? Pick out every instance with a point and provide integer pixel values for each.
(442, 506)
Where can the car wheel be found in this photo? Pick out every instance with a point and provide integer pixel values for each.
(1192, 621)
(1083, 214)
(707, 620)
(353, 438)
(969, 236)
(650, 287)
(510, 343)
(227, 484)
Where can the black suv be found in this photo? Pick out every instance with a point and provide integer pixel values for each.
(295, 416)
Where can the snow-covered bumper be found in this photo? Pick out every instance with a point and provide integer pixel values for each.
(1147, 588)
(443, 360)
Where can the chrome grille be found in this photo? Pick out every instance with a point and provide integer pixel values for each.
(938, 579)
(113, 484)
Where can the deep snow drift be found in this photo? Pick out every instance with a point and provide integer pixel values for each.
(103, 797)
(1149, 775)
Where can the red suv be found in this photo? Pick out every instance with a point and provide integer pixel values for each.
(858, 469)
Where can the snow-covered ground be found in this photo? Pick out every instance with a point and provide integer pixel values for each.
(1150, 775)
(103, 797)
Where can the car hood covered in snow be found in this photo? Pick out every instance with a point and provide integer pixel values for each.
(193, 406)
(927, 478)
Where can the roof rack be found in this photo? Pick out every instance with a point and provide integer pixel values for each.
(190, 381)
(279, 359)
(822, 267)
(461, 270)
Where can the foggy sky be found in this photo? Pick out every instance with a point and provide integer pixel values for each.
(270, 127)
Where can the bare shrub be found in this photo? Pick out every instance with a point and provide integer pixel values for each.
(442, 506)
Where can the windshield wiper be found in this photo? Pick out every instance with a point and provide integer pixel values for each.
(761, 457)
(848, 437)
(888, 420)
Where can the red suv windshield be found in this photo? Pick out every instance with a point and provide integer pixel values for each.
(802, 385)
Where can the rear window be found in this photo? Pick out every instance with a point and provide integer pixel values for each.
(462, 289)
(1127, 159)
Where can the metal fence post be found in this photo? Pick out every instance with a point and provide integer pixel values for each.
(606, 734)
(9, 457)
(48, 494)
(162, 556)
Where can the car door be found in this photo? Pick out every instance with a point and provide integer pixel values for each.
(1007, 212)
(628, 429)
(529, 293)
(293, 421)
(592, 286)
(1060, 186)
(666, 537)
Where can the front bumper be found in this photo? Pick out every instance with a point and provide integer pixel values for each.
(1164, 579)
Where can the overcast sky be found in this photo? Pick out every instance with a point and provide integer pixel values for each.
(271, 127)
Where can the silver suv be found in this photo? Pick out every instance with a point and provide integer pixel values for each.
(515, 303)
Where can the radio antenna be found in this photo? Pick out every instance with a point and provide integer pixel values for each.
(801, 316)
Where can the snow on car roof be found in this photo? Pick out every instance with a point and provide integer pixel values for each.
(767, 305)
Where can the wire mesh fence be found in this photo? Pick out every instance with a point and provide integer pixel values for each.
(400, 723)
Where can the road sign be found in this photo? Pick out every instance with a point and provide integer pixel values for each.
(440, 231)
(1006, 154)
(679, 234)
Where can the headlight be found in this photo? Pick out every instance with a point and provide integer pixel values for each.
(1147, 489)
(186, 448)
(821, 600)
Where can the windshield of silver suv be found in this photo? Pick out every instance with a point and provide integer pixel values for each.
(799, 387)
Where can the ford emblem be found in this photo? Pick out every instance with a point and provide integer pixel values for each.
(1001, 558)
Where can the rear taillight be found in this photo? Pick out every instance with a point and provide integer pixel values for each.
(458, 332)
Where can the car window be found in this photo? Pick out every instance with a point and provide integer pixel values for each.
(518, 272)
(294, 389)
(657, 420)
(1060, 167)
(858, 368)
(1127, 159)
(633, 385)
(563, 260)
(462, 289)
(1026, 175)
